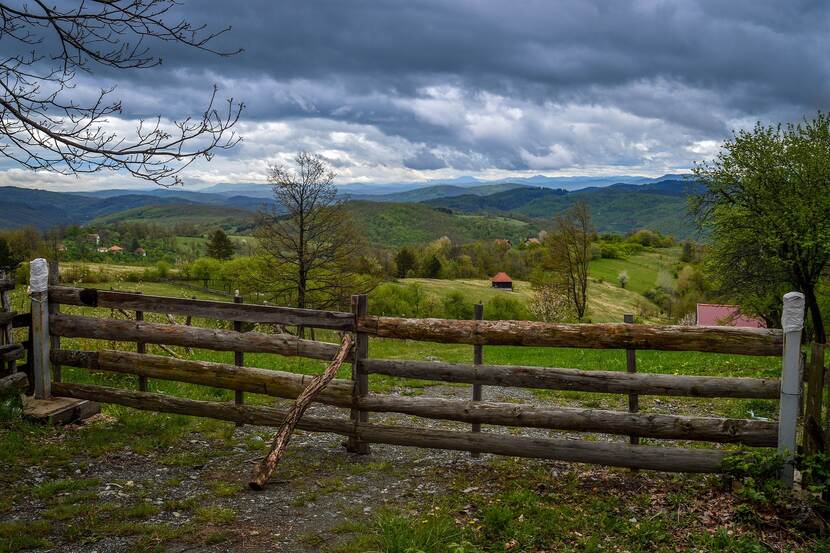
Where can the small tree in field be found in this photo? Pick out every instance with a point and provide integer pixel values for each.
(309, 246)
(767, 202)
(219, 246)
(569, 253)
(623, 278)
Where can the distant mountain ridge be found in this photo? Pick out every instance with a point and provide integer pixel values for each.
(621, 207)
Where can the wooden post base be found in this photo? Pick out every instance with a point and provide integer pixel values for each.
(58, 410)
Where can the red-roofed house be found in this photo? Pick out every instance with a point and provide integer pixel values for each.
(502, 280)
(713, 314)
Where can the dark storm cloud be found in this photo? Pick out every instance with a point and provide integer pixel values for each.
(476, 85)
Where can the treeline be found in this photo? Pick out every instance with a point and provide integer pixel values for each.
(444, 259)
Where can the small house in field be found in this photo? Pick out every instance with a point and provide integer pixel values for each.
(141, 252)
(715, 314)
(115, 249)
(502, 280)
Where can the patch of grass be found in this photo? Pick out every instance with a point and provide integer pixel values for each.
(22, 535)
(215, 515)
(50, 489)
(224, 489)
(140, 510)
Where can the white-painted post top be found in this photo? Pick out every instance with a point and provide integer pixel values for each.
(38, 275)
(792, 316)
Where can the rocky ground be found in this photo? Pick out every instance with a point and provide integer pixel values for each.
(192, 495)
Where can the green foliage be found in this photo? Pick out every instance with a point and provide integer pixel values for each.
(405, 262)
(9, 260)
(205, 268)
(815, 470)
(768, 205)
(432, 268)
(219, 246)
(758, 472)
(504, 308)
(456, 306)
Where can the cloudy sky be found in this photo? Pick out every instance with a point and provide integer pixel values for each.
(400, 91)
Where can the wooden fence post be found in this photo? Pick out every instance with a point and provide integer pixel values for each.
(141, 347)
(360, 308)
(792, 321)
(238, 356)
(6, 284)
(631, 367)
(39, 293)
(478, 359)
(813, 434)
(54, 308)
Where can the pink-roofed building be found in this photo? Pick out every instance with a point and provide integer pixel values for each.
(713, 314)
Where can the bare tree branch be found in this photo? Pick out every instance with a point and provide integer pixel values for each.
(43, 128)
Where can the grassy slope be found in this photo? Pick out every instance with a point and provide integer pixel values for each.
(642, 268)
(168, 215)
(607, 302)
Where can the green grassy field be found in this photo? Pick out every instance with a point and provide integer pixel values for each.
(643, 268)
(607, 302)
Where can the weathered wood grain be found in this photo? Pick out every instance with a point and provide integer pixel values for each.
(248, 313)
(339, 393)
(670, 459)
(11, 352)
(16, 382)
(75, 326)
(218, 375)
(743, 341)
(579, 380)
(651, 425)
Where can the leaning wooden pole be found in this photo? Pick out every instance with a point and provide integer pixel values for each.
(266, 468)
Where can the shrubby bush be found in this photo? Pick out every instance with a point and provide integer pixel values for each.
(504, 308)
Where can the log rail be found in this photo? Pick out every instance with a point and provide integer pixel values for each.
(339, 393)
(740, 341)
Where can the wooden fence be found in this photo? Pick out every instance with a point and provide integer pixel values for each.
(355, 395)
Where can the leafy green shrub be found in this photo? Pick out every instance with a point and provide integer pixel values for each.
(758, 474)
(503, 308)
(456, 306)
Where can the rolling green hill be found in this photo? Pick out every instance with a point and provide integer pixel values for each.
(208, 216)
(392, 224)
(620, 208)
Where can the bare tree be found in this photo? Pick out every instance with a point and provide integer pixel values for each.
(308, 241)
(43, 127)
(570, 253)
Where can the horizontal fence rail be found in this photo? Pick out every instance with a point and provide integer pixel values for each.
(743, 341)
(340, 393)
(76, 326)
(670, 459)
(248, 313)
(610, 382)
